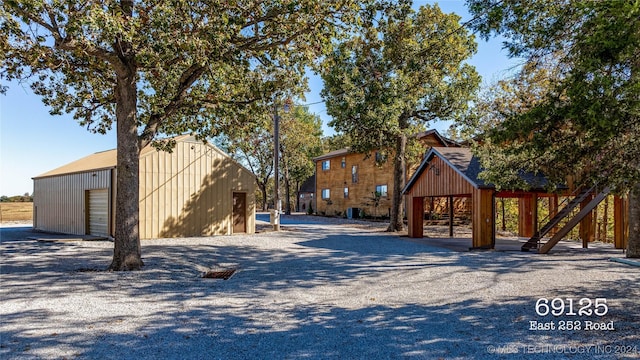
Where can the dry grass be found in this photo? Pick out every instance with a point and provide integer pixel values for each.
(16, 211)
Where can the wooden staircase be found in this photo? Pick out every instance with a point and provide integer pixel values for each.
(543, 248)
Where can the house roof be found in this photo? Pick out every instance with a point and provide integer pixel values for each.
(106, 160)
(465, 163)
(443, 140)
(309, 185)
(463, 160)
(331, 154)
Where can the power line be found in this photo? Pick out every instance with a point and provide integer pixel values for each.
(313, 103)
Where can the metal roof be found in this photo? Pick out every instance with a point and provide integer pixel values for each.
(98, 161)
(104, 160)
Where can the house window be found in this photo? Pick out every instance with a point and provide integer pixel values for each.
(354, 174)
(301, 196)
(346, 192)
(343, 163)
(381, 157)
(382, 190)
(326, 193)
(326, 165)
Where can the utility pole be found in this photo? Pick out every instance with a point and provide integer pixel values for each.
(276, 163)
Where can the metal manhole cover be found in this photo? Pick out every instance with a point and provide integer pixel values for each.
(219, 274)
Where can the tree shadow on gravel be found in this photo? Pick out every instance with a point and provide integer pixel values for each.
(295, 300)
(466, 329)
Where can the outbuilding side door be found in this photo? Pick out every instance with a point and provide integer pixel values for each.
(98, 212)
(239, 213)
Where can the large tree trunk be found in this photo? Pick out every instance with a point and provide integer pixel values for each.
(263, 189)
(633, 243)
(126, 254)
(396, 223)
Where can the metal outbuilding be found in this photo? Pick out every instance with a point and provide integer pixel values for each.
(196, 190)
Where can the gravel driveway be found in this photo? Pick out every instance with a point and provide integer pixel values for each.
(313, 291)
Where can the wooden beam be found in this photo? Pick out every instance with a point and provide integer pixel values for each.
(620, 222)
(483, 219)
(450, 216)
(415, 215)
(525, 216)
(553, 210)
(574, 221)
(586, 225)
(534, 212)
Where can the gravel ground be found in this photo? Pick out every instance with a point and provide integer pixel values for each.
(319, 289)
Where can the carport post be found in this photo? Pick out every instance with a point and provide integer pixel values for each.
(450, 216)
(415, 217)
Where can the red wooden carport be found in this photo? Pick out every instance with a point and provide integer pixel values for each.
(453, 172)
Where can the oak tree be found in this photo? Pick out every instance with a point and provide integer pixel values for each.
(404, 69)
(159, 68)
(300, 141)
(301, 134)
(254, 150)
(585, 57)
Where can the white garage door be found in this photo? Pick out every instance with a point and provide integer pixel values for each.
(98, 212)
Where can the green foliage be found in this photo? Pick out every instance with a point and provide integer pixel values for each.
(574, 107)
(254, 150)
(402, 70)
(407, 70)
(335, 142)
(373, 201)
(164, 68)
(300, 142)
(203, 67)
(18, 198)
(586, 125)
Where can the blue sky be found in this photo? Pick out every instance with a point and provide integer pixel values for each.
(33, 142)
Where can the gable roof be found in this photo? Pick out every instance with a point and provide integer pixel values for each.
(444, 140)
(309, 185)
(341, 152)
(108, 159)
(461, 160)
(332, 154)
(99, 161)
(467, 165)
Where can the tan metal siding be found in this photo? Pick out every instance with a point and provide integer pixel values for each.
(190, 192)
(60, 200)
(185, 193)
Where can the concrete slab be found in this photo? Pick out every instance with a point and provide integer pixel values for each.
(46, 237)
(506, 244)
